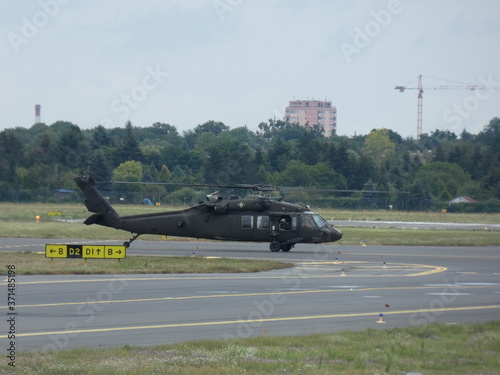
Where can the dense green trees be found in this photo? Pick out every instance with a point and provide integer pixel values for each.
(415, 173)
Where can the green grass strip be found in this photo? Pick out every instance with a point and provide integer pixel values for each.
(434, 349)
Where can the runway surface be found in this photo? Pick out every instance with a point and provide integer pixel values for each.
(331, 288)
(413, 225)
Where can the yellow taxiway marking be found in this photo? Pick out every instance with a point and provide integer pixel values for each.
(472, 256)
(277, 292)
(297, 273)
(247, 321)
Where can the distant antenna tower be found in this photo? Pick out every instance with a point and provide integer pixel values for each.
(37, 113)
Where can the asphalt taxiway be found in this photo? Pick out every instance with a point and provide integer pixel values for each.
(331, 288)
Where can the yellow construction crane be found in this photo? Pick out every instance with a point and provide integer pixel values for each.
(421, 88)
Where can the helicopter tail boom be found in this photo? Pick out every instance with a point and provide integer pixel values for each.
(104, 213)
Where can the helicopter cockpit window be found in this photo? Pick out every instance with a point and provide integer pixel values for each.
(307, 221)
(312, 221)
(319, 221)
(246, 222)
(263, 222)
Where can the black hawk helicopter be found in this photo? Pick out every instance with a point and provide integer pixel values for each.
(230, 218)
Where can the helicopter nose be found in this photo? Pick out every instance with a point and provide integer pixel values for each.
(336, 234)
(330, 234)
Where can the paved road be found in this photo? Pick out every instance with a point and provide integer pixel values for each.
(412, 225)
(417, 285)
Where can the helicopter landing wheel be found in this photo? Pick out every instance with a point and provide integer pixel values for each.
(132, 239)
(275, 246)
(286, 247)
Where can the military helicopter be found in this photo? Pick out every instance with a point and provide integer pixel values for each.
(229, 218)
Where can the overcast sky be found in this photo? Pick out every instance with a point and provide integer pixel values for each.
(185, 62)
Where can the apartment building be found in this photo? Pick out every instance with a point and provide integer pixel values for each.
(313, 112)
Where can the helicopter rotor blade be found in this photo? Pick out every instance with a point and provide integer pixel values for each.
(261, 187)
(257, 187)
(342, 191)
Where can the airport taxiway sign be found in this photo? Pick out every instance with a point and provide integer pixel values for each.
(85, 251)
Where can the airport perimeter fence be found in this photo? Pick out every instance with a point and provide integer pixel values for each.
(406, 203)
(39, 196)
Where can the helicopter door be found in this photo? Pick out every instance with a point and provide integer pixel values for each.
(287, 223)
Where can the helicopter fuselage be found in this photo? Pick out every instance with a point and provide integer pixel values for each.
(256, 220)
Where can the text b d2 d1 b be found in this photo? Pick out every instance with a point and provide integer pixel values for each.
(85, 251)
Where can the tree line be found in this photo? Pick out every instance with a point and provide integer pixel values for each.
(387, 169)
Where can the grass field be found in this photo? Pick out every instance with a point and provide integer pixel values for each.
(28, 263)
(413, 216)
(434, 349)
(419, 237)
